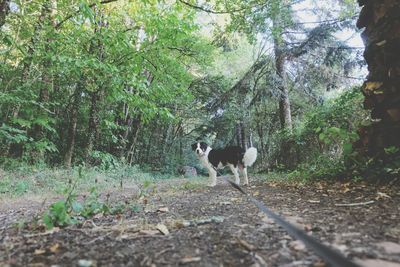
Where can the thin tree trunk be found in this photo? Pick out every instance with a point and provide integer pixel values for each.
(132, 148)
(260, 132)
(48, 14)
(285, 114)
(73, 121)
(93, 124)
(4, 9)
(94, 119)
(382, 88)
(240, 135)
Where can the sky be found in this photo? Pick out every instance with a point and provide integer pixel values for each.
(305, 14)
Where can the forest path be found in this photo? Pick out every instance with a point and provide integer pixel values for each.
(187, 224)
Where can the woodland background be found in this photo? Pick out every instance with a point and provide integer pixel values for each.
(132, 84)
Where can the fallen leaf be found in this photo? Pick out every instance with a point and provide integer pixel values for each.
(235, 199)
(54, 248)
(53, 230)
(297, 245)
(244, 244)
(163, 209)
(382, 195)
(163, 229)
(190, 259)
(149, 232)
(39, 251)
(319, 263)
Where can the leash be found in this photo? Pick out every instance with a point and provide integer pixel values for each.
(332, 257)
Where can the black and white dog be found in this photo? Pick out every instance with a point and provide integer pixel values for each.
(232, 156)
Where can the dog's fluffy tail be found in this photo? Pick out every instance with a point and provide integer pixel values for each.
(250, 156)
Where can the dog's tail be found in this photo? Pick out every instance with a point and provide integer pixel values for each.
(250, 156)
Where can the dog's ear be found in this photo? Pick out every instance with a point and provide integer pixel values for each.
(203, 146)
(194, 146)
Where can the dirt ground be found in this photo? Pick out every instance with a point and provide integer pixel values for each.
(180, 224)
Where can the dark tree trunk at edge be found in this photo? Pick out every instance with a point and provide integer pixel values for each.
(381, 20)
(4, 9)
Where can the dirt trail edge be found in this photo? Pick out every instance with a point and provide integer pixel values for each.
(185, 224)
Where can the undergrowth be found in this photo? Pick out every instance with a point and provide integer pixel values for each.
(72, 210)
(321, 145)
(18, 179)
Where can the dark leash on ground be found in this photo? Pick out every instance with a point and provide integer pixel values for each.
(332, 257)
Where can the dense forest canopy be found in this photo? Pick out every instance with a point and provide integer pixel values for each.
(114, 82)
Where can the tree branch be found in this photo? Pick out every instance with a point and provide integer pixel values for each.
(58, 25)
(213, 11)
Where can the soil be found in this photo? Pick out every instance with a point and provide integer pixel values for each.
(177, 224)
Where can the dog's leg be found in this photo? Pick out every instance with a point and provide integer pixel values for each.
(246, 178)
(213, 177)
(235, 172)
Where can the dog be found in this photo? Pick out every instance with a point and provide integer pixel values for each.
(233, 156)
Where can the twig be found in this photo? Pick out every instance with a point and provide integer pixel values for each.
(97, 238)
(260, 260)
(354, 204)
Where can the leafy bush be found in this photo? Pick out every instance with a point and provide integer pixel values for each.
(321, 143)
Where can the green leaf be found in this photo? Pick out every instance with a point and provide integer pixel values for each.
(347, 148)
(77, 207)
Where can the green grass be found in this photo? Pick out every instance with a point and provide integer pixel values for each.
(41, 180)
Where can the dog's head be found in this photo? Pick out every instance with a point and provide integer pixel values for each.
(200, 148)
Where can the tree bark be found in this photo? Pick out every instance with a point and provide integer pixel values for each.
(96, 97)
(241, 135)
(285, 114)
(73, 121)
(48, 14)
(4, 9)
(381, 20)
(93, 125)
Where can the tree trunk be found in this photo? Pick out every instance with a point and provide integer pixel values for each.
(285, 114)
(94, 119)
(240, 135)
(73, 121)
(136, 126)
(48, 14)
(93, 125)
(381, 37)
(4, 9)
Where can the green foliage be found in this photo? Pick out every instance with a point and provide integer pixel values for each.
(71, 211)
(321, 145)
(59, 214)
(126, 86)
(110, 65)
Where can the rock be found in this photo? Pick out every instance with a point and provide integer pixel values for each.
(85, 263)
(188, 171)
(297, 245)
